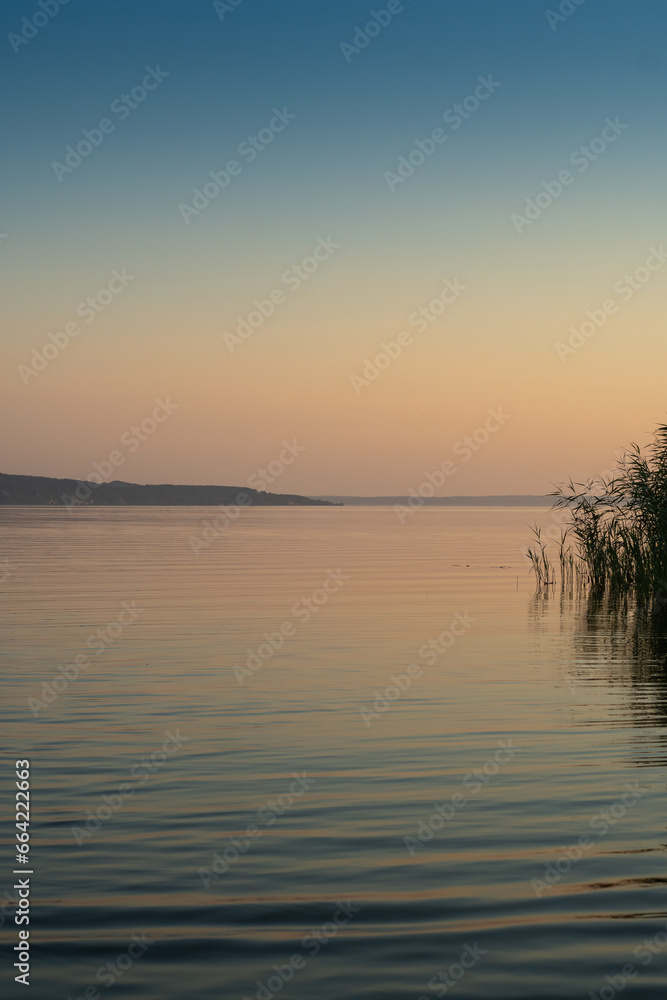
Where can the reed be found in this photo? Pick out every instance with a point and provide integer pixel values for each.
(618, 527)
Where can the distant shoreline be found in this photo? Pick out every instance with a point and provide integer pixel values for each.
(500, 500)
(44, 491)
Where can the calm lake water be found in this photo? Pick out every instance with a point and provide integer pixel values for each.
(479, 802)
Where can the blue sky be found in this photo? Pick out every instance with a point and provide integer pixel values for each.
(325, 174)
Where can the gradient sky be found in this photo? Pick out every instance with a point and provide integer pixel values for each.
(323, 177)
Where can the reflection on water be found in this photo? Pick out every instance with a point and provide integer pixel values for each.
(330, 756)
(622, 645)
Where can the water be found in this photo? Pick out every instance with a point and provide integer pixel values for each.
(537, 717)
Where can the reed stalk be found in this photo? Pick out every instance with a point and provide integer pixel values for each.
(618, 527)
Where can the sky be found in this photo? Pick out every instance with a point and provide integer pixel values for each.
(217, 217)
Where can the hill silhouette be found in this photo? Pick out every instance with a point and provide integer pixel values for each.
(44, 491)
